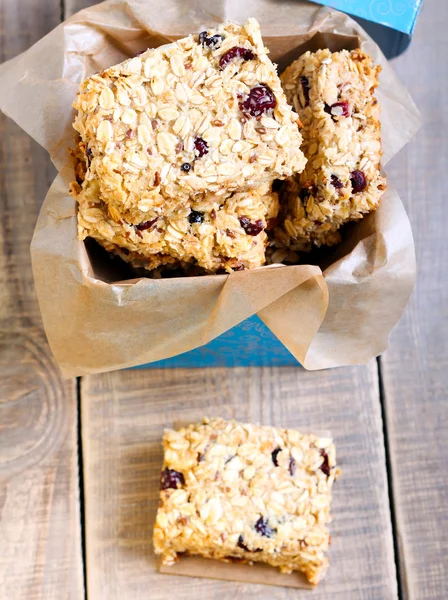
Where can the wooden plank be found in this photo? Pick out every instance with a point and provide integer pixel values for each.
(124, 414)
(40, 549)
(73, 6)
(415, 366)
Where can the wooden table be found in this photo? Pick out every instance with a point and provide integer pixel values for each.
(79, 460)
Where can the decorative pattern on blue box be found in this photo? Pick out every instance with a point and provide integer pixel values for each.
(398, 14)
(249, 344)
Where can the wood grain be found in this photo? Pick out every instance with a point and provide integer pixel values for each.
(40, 550)
(416, 365)
(123, 416)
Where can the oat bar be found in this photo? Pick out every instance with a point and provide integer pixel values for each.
(216, 233)
(333, 94)
(204, 114)
(233, 491)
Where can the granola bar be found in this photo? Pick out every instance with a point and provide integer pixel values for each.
(216, 233)
(204, 114)
(233, 491)
(333, 94)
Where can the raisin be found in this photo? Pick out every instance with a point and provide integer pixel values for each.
(274, 455)
(213, 42)
(196, 217)
(336, 182)
(146, 224)
(186, 167)
(325, 466)
(171, 479)
(200, 147)
(306, 89)
(262, 527)
(252, 227)
(233, 53)
(292, 466)
(359, 182)
(240, 543)
(260, 100)
(334, 109)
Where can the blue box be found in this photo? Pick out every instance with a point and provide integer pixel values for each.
(389, 22)
(249, 344)
(398, 14)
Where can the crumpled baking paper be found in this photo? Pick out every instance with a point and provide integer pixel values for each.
(339, 311)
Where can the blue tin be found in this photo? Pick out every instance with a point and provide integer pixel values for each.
(397, 14)
(389, 22)
(249, 344)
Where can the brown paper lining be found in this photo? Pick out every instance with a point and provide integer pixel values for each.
(196, 566)
(338, 310)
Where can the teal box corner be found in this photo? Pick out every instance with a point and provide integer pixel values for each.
(389, 22)
(397, 14)
(249, 344)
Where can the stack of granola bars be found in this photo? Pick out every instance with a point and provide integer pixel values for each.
(182, 151)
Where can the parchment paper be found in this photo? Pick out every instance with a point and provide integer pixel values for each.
(337, 312)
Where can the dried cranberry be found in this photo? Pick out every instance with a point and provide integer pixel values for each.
(196, 217)
(252, 227)
(325, 466)
(171, 479)
(200, 147)
(141, 52)
(274, 455)
(271, 223)
(336, 182)
(260, 99)
(213, 42)
(343, 105)
(359, 182)
(306, 89)
(233, 53)
(186, 167)
(262, 527)
(240, 543)
(146, 224)
(292, 466)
